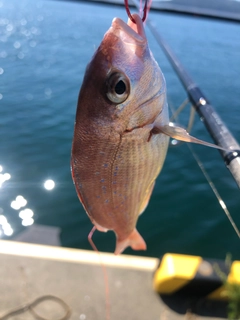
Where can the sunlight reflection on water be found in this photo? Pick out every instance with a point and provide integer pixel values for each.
(26, 215)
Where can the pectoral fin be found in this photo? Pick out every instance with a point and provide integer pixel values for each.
(181, 134)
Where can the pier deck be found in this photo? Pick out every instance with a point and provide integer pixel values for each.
(29, 271)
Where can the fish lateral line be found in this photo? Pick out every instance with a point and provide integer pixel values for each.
(181, 134)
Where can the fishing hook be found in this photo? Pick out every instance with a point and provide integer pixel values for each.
(145, 9)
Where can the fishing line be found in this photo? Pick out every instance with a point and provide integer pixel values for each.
(104, 270)
(214, 189)
(191, 119)
(175, 114)
(30, 307)
(145, 10)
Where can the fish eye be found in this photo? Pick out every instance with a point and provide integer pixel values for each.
(117, 87)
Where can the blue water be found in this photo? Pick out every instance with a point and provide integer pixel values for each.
(44, 49)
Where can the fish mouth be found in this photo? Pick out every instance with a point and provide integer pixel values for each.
(130, 32)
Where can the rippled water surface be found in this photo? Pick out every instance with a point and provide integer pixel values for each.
(44, 49)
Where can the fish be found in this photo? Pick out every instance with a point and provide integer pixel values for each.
(121, 132)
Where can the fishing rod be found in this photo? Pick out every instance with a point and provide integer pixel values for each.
(214, 124)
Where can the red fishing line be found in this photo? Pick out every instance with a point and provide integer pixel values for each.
(145, 11)
(104, 269)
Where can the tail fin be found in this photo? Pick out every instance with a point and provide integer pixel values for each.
(134, 240)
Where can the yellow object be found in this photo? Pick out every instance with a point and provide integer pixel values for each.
(174, 272)
(193, 275)
(233, 277)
